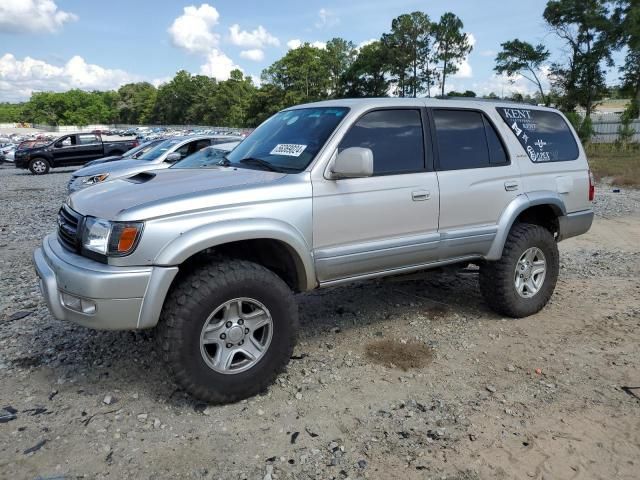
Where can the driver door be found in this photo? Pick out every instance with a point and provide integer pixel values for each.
(387, 221)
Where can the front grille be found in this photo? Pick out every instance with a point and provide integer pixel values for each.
(68, 228)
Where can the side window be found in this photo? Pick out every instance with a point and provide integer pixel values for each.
(65, 142)
(467, 139)
(462, 142)
(199, 145)
(497, 153)
(184, 149)
(87, 139)
(394, 136)
(543, 134)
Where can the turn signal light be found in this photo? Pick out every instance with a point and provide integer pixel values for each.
(127, 239)
(592, 187)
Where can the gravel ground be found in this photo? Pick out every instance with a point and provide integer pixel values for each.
(410, 377)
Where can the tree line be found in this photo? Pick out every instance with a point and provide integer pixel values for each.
(415, 57)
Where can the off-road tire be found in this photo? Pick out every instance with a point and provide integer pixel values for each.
(497, 277)
(190, 303)
(39, 166)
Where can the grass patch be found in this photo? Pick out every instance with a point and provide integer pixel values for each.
(621, 165)
(395, 354)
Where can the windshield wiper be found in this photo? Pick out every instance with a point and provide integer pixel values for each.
(261, 163)
(225, 162)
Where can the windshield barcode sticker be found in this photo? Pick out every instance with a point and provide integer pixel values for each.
(288, 149)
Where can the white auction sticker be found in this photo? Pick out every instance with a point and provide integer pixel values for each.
(288, 149)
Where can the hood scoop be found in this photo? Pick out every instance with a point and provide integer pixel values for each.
(142, 177)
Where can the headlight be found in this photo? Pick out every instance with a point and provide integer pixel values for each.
(93, 179)
(110, 238)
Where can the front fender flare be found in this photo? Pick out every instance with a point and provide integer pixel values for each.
(207, 236)
(515, 208)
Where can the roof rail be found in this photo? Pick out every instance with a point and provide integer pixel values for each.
(480, 99)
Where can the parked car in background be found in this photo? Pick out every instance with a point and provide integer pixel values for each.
(162, 156)
(207, 157)
(71, 149)
(7, 153)
(134, 153)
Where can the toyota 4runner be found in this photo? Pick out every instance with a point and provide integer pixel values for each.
(319, 195)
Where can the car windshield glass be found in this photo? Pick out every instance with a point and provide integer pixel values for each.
(159, 149)
(289, 140)
(207, 157)
(142, 148)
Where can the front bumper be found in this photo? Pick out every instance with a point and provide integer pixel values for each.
(118, 298)
(575, 223)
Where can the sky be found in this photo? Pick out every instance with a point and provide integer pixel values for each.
(96, 45)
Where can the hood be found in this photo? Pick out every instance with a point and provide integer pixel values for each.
(163, 192)
(100, 161)
(120, 167)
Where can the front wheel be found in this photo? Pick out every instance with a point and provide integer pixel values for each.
(522, 281)
(39, 166)
(227, 330)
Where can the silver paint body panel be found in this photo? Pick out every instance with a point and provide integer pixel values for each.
(336, 231)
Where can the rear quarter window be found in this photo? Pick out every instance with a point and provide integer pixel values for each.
(544, 135)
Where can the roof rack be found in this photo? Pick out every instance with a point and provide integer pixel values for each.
(480, 99)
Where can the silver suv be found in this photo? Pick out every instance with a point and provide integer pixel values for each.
(319, 195)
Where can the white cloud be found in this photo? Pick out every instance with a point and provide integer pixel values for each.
(218, 65)
(255, 54)
(19, 78)
(258, 38)
(326, 19)
(464, 67)
(32, 16)
(294, 43)
(320, 45)
(366, 42)
(507, 86)
(193, 30)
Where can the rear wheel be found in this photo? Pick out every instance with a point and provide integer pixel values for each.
(39, 166)
(522, 281)
(227, 330)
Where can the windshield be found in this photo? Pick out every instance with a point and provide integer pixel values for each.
(207, 157)
(159, 149)
(289, 140)
(141, 149)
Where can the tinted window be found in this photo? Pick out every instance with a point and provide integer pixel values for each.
(497, 153)
(394, 136)
(159, 149)
(544, 135)
(462, 142)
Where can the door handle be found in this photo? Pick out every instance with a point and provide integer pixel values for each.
(420, 195)
(510, 186)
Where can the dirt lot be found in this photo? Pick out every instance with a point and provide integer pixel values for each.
(482, 397)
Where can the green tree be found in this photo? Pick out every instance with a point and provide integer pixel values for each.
(453, 45)
(303, 74)
(230, 101)
(586, 28)
(410, 40)
(340, 56)
(136, 102)
(518, 57)
(367, 76)
(626, 20)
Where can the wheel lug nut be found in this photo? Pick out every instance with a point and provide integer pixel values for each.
(240, 322)
(229, 345)
(229, 324)
(241, 342)
(223, 336)
(246, 330)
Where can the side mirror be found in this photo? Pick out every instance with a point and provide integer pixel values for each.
(354, 162)
(173, 157)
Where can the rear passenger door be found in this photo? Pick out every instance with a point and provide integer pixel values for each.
(386, 221)
(477, 179)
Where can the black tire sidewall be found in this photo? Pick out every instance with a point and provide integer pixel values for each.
(33, 161)
(540, 238)
(276, 297)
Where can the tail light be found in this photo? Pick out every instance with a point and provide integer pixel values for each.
(135, 143)
(592, 187)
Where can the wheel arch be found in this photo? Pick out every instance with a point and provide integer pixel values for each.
(271, 243)
(542, 208)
